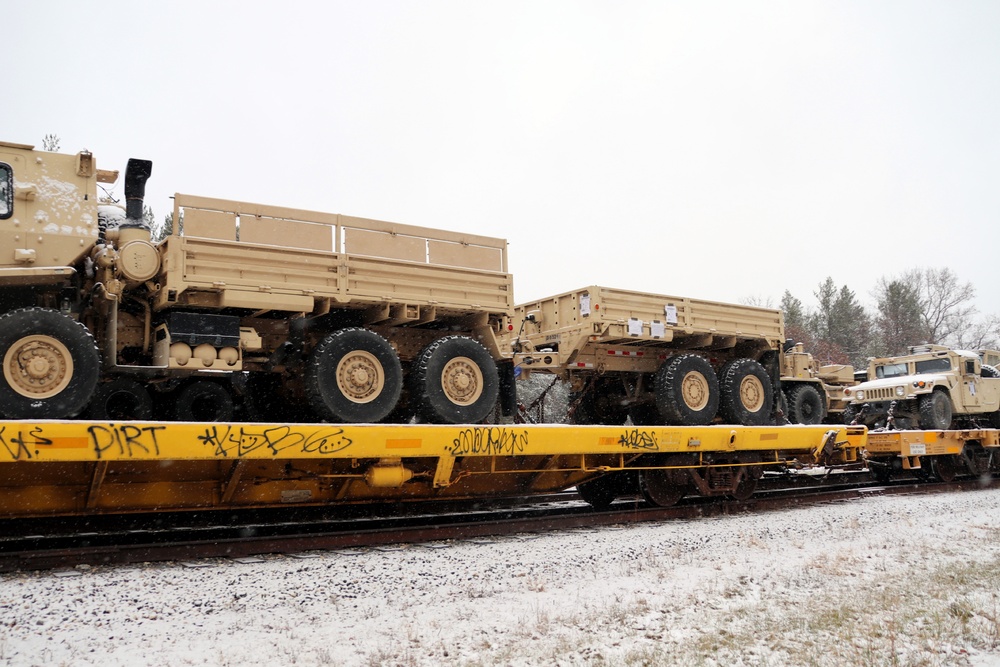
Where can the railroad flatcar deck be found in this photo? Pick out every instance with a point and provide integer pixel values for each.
(82, 467)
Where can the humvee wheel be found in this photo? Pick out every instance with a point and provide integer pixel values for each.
(746, 394)
(455, 381)
(50, 365)
(935, 411)
(687, 390)
(354, 376)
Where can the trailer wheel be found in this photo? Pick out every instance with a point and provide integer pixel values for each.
(203, 401)
(455, 381)
(746, 393)
(121, 398)
(50, 365)
(687, 391)
(805, 405)
(935, 411)
(354, 376)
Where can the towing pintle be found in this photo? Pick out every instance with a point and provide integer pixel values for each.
(136, 174)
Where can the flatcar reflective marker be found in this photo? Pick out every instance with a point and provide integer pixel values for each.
(404, 444)
(69, 443)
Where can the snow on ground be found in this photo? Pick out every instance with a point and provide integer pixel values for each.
(873, 581)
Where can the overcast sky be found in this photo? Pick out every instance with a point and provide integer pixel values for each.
(719, 150)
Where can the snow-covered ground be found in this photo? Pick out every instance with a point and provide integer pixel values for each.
(874, 581)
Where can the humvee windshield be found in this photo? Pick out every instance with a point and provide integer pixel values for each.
(933, 365)
(891, 370)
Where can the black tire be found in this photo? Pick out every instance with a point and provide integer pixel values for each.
(354, 376)
(121, 399)
(203, 401)
(935, 411)
(805, 405)
(989, 371)
(687, 391)
(746, 395)
(603, 403)
(455, 381)
(63, 359)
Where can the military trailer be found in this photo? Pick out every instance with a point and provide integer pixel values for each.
(813, 392)
(933, 388)
(242, 306)
(653, 358)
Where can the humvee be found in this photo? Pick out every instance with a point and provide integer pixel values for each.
(932, 388)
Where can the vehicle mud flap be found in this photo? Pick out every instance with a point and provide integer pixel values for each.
(508, 388)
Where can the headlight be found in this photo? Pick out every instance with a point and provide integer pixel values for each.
(900, 391)
(859, 395)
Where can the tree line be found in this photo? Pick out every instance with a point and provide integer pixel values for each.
(918, 307)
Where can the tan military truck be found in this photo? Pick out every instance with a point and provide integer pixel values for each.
(813, 393)
(657, 359)
(241, 305)
(933, 387)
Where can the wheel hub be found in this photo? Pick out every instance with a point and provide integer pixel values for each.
(752, 393)
(38, 366)
(462, 381)
(359, 376)
(695, 391)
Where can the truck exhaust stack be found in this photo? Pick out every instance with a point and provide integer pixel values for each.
(136, 174)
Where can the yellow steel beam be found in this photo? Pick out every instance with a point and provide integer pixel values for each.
(85, 441)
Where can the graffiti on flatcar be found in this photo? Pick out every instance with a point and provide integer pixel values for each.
(490, 441)
(639, 439)
(21, 445)
(245, 440)
(125, 440)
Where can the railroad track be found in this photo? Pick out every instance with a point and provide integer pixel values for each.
(63, 543)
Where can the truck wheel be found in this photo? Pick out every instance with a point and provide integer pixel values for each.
(687, 390)
(746, 394)
(121, 398)
(50, 365)
(354, 376)
(203, 401)
(805, 405)
(455, 381)
(935, 411)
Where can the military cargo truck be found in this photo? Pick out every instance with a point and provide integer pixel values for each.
(813, 393)
(242, 305)
(933, 388)
(653, 358)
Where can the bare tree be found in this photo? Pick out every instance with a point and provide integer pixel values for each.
(946, 303)
(51, 143)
